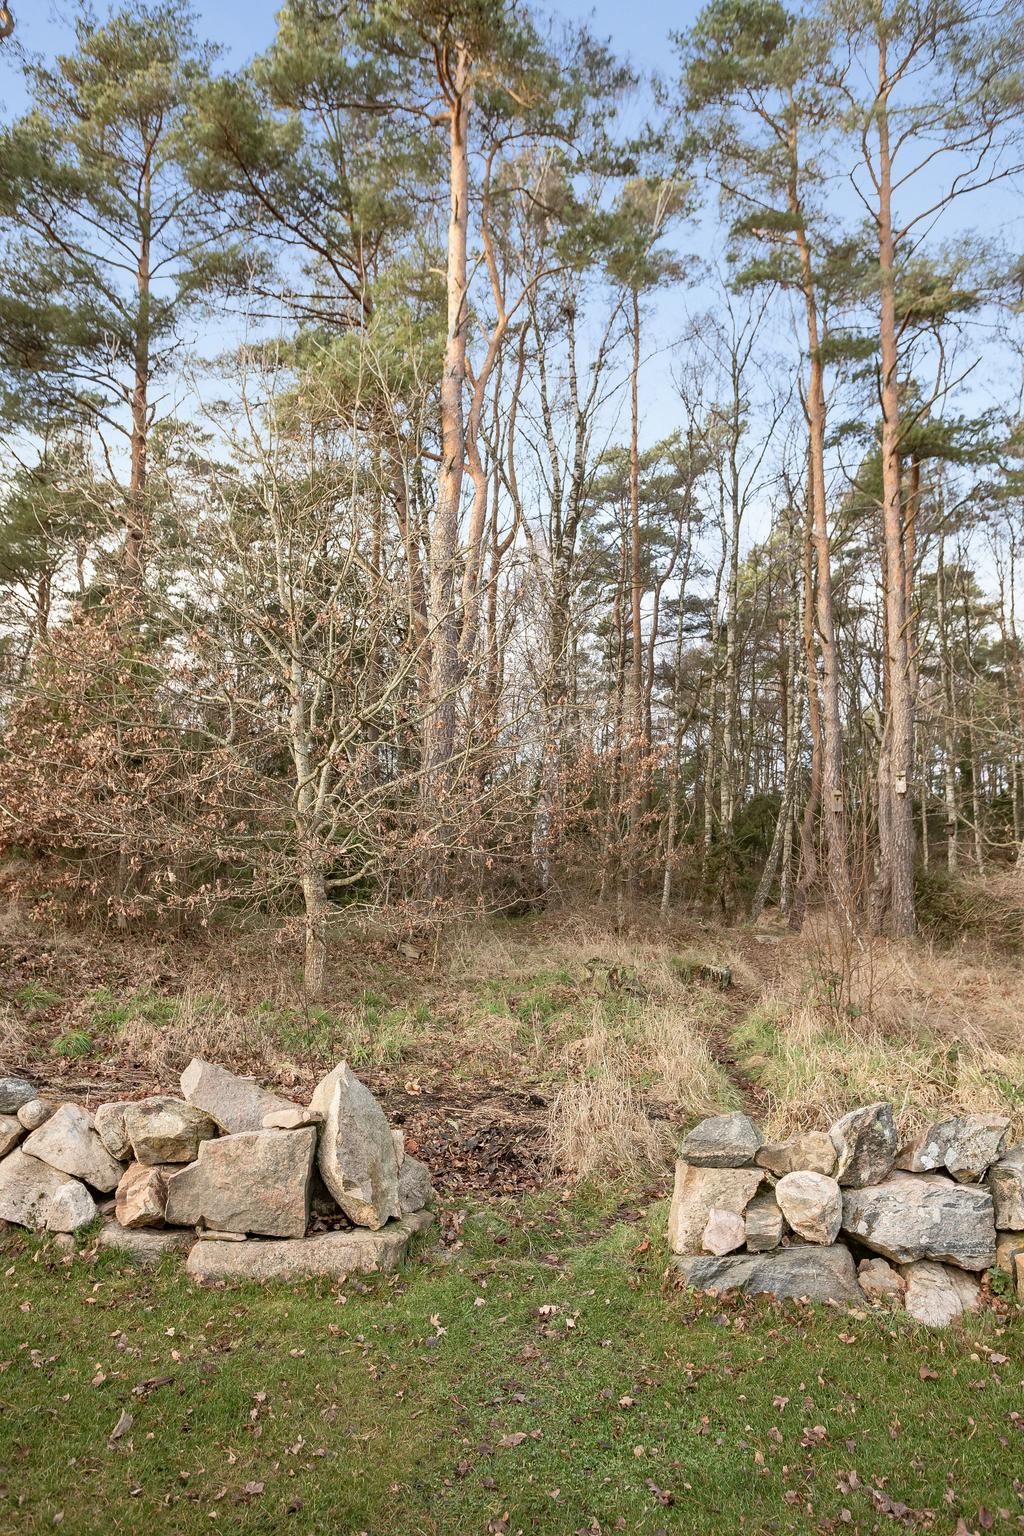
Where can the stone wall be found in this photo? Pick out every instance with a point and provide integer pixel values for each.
(244, 1182)
(852, 1214)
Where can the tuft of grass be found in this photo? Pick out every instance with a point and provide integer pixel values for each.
(71, 1043)
(35, 994)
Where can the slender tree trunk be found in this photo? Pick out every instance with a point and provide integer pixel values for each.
(832, 785)
(444, 541)
(135, 539)
(893, 896)
(808, 854)
(948, 711)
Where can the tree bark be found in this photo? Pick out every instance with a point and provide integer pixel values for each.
(893, 896)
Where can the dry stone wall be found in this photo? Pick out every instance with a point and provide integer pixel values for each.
(854, 1214)
(241, 1181)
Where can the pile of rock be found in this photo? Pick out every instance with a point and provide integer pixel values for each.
(851, 1213)
(324, 1188)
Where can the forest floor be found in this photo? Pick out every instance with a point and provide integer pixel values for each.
(535, 1367)
(516, 1051)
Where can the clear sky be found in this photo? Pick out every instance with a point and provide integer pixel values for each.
(243, 27)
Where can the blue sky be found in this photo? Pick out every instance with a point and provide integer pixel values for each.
(243, 29)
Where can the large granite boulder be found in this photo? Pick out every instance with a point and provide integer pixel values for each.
(26, 1188)
(166, 1130)
(813, 1151)
(812, 1203)
(865, 1143)
(723, 1141)
(936, 1294)
(235, 1103)
(699, 1191)
(254, 1181)
(14, 1092)
(923, 1216)
(332, 1254)
(1006, 1181)
(69, 1143)
(803, 1269)
(356, 1151)
(141, 1196)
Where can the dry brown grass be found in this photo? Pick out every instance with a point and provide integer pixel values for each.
(598, 1123)
(935, 1031)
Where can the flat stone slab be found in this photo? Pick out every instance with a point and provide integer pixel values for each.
(804, 1269)
(722, 1141)
(912, 1216)
(330, 1254)
(236, 1103)
(144, 1246)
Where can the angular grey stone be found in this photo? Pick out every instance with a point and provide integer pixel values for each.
(722, 1141)
(142, 1194)
(356, 1152)
(935, 1294)
(110, 1129)
(865, 1143)
(764, 1223)
(1006, 1181)
(254, 1181)
(145, 1246)
(68, 1142)
(724, 1233)
(11, 1132)
(812, 1203)
(965, 1145)
(208, 1235)
(166, 1130)
(973, 1144)
(1018, 1273)
(14, 1092)
(813, 1151)
(71, 1206)
(923, 1216)
(880, 1281)
(331, 1254)
(1008, 1245)
(35, 1112)
(415, 1189)
(236, 1103)
(699, 1191)
(803, 1269)
(26, 1189)
(398, 1137)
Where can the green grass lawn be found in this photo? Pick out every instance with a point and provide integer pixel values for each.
(544, 1376)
